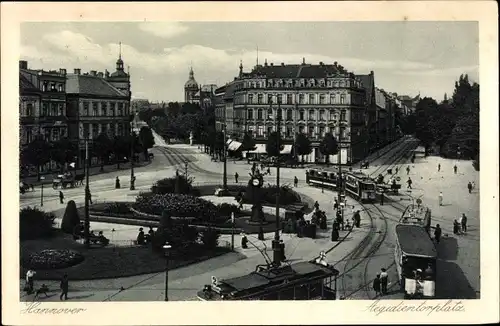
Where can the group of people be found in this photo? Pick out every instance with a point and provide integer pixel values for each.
(459, 227)
(30, 286)
(381, 282)
(142, 238)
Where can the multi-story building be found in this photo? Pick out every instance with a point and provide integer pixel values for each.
(42, 105)
(382, 118)
(203, 95)
(368, 82)
(98, 103)
(315, 99)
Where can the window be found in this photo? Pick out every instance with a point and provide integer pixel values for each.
(44, 86)
(260, 98)
(44, 109)
(301, 98)
(104, 108)
(289, 99)
(112, 130)
(322, 99)
(332, 115)
(289, 131)
(94, 109)
(280, 113)
(342, 83)
(322, 115)
(322, 131)
(250, 114)
(311, 114)
(311, 131)
(112, 109)
(280, 98)
(289, 115)
(270, 114)
(120, 109)
(61, 109)
(311, 98)
(46, 134)
(342, 99)
(29, 109)
(54, 134)
(333, 99)
(302, 115)
(85, 108)
(259, 114)
(104, 128)
(53, 109)
(250, 98)
(342, 115)
(85, 130)
(95, 130)
(29, 135)
(269, 130)
(269, 98)
(60, 87)
(119, 131)
(301, 129)
(52, 87)
(260, 131)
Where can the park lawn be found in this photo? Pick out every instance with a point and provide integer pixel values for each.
(108, 262)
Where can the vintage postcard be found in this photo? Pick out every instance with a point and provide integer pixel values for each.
(176, 161)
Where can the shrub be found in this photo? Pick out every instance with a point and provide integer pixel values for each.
(70, 218)
(210, 238)
(117, 208)
(177, 184)
(268, 194)
(226, 209)
(34, 223)
(53, 259)
(176, 205)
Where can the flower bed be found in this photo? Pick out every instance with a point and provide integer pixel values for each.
(176, 205)
(53, 259)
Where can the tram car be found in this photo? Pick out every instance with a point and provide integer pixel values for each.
(415, 257)
(306, 280)
(417, 214)
(359, 186)
(322, 178)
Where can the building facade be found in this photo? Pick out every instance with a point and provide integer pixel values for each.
(315, 99)
(98, 103)
(190, 88)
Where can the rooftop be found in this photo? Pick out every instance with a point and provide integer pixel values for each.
(91, 85)
(414, 240)
(26, 85)
(303, 70)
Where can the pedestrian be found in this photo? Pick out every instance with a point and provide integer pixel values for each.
(335, 204)
(64, 287)
(117, 183)
(376, 285)
(335, 232)
(439, 167)
(409, 182)
(89, 196)
(455, 168)
(408, 170)
(261, 234)
(236, 176)
(295, 181)
(268, 170)
(440, 198)
(30, 274)
(357, 219)
(397, 170)
(463, 222)
(244, 241)
(469, 186)
(316, 205)
(437, 233)
(473, 185)
(384, 279)
(456, 227)
(61, 197)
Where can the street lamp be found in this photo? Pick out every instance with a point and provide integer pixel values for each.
(132, 152)
(86, 225)
(41, 195)
(224, 177)
(166, 248)
(277, 247)
(186, 169)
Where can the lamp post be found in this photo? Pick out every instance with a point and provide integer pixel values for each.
(186, 169)
(224, 177)
(232, 231)
(166, 248)
(132, 152)
(86, 225)
(41, 194)
(277, 251)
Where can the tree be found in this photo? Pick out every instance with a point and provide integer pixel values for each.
(424, 110)
(147, 140)
(328, 146)
(34, 223)
(70, 218)
(272, 144)
(37, 153)
(145, 115)
(102, 148)
(248, 143)
(219, 143)
(190, 108)
(121, 149)
(63, 151)
(302, 146)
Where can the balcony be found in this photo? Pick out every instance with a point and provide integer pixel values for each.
(53, 119)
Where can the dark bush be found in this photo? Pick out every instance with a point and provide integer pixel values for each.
(268, 194)
(70, 218)
(173, 185)
(117, 208)
(34, 223)
(226, 209)
(210, 238)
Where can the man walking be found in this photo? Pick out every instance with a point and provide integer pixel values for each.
(357, 219)
(64, 287)
(236, 176)
(408, 170)
(463, 222)
(455, 168)
(384, 279)
(437, 233)
(295, 181)
(440, 198)
(61, 197)
(409, 182)
(469, 186)
(30, 274)
(439, 167)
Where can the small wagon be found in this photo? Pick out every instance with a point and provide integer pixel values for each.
(63, 181)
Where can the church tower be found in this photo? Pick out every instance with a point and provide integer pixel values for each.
(190, 87)
(120, 79)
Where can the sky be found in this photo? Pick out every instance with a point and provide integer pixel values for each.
(407, 57)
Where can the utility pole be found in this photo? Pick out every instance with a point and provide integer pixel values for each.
(277, 251)
(224, 178)
(132, 177)
(86, 225)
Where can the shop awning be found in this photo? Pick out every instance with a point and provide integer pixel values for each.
(259, 149)
(234, 146)
(229, 141)
(286, 150)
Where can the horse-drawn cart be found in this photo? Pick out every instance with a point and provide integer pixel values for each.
(64, 181)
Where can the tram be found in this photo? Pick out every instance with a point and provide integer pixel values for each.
(307, 280)
(417, 215)
(359, 186)
(322, 178)
(415, 257)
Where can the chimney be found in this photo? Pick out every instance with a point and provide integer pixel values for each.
(335, 63)
(282, 64)
(77, 71)
(23, 64)
(62, 71)
(272, 64)
(371, 72)
(100, 74)
(321, 63)
(303, 61)
(93, 73)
